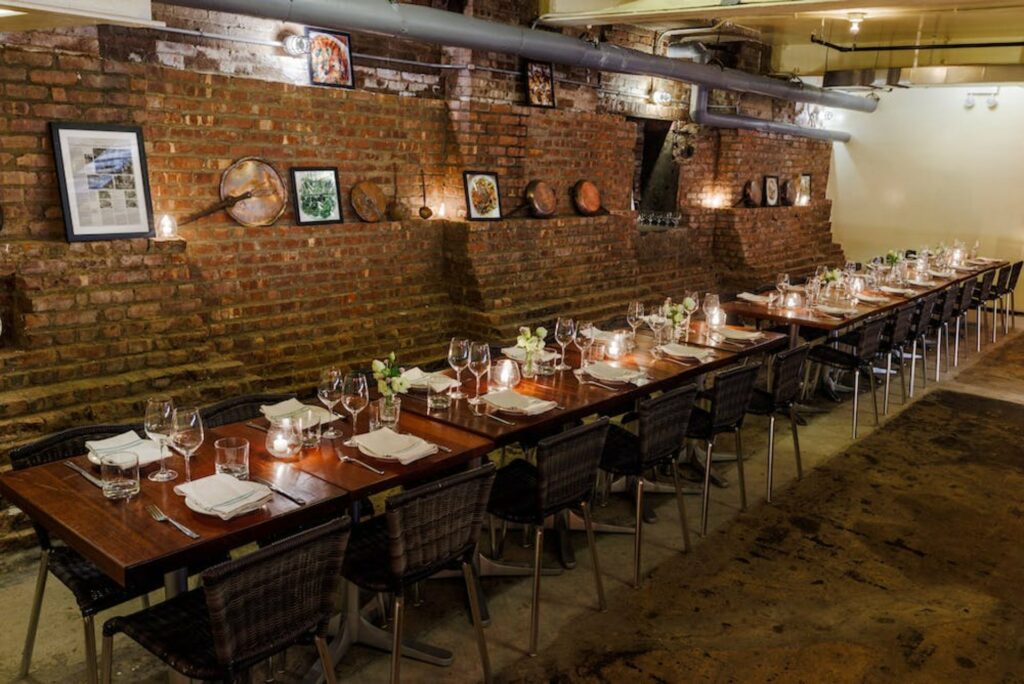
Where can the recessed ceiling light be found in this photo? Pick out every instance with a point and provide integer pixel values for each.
(855, 19)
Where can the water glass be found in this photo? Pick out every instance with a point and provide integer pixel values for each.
(438, 398)
(388, 411)
(307, 423)
(373, 417)
(546, 362)
(119, 473)
(231, 457)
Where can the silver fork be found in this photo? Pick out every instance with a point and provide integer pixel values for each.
(349, 459)
(159, 516)
(592, 382)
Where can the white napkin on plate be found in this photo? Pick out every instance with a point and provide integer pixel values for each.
(289, 407)
(519, 354)
(739, 333)
(871, 299)
(685, 351)
(895, 290)
(602, 370)
(835, 310)
(602, 335)
(224, 496)
(941, 274)
(922, 283)
(147, 450)
(750, 297)
(389, 445)
(418, 379)
(512, 401)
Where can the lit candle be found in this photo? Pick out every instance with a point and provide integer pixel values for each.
(167, 229)
(792, 300)
(506, 374)
(615, 346)
(280, 444)
(717, 319)
(441, 210)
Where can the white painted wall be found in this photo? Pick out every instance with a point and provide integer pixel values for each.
(923, 169)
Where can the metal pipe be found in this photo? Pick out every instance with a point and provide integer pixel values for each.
(413, 22)
(896, 48)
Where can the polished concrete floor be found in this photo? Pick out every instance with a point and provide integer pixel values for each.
(568, 599)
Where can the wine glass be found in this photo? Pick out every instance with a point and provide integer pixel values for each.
(565, 331)
(458, 359)
(187, 436)
(159, 426)
(354, 397)
(635, 315)
(656, 322)
(329, 392)
(479, 363)
(690, 304)
(712, 309)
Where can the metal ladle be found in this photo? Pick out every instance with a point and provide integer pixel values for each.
(425, 211)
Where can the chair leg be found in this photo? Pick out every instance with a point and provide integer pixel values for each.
(874, 390)
(1006, 314)
(478, 625)
(91, 664)
(938, 353)
(888, 372)
(683, 523)
(1013, 310)
(956, 343)
(638, 533)
(995, 318)
(706, 498)
(903, 377)
(739, 471)
(396, 637)
(924, 360)
(325, 660)
(588, 522)
(856, 400)
(945, 341)
(913, 366)
(771, 458)
(978, 313)
(108, 659)
(33, 620)
(796, 444)
(538, 553)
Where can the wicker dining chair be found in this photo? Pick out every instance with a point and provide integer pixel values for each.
(238, 409)
(658, 442)
(729, 400)
(865, 342)
(943, 314)
(92, 589)
(564, 478)
(963, 305)
(245, 610)
(781, 400)
(423, 531)
(979, 300)
(918, 333)
(894, 341)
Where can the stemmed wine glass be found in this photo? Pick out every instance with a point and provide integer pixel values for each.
(458, 359)
(690, 304)
(656, 322)
(712, 307)
(159, 427)
(565, 330)
(354, 397)
(635, 316)
(329, 393)
(782, 284)
(479, 364)
(188, 435)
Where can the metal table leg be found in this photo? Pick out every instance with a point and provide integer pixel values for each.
(175, 583)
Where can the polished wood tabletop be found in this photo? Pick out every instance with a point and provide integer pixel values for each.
(127, 544)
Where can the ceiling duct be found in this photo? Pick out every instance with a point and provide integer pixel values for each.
(862, 78)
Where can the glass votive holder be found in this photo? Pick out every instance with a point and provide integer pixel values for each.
(505, 375)
(594, 354)
(283, 439)
(438, 398)
(546, 362)
(616, 346)
(119, 473)
(307, 423)
(231, 457)
(372, 417)
(389, 410)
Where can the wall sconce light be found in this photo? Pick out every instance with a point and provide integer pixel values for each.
(167, 228)
(715, 200)
(855, 20)
(296, 45)
(661, 97)
(442, 211)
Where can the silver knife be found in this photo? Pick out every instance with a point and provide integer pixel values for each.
(277, 490)
(500, 420)
(92, 479)
(257, 426)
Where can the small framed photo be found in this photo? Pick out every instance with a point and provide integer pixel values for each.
(316, 196)
(540, 84)
(330, 58)
(103, 181)
(803, 194)
(771, 191)
(483, 199)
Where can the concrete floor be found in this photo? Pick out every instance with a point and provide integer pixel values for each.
(440, 619)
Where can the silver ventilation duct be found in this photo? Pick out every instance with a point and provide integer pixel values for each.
(862, 78)
(699, 114)
(440, 27)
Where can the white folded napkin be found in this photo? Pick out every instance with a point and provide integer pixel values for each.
(602, 335)
(147, 450)
(290, 407)
(519, 354)
(739, 333)
(835, 310)
(686, 352)
(872, 299)
(386, 444)
(512, 401)
(922, 283)
(895, 290)
(964, 269)
(750, 297)
(223, 495)
(609, 373)
(941, 274)
(418, 379)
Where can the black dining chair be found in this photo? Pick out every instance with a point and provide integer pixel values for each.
(894, 341)
(92, 589)
(780, 400)
(238, 409)
(996, 298)
(661, 430)
(918, 335)
(563, 478)
(423, 531)
(980, 299)
(1010, 296)
(245, 610)
(941, 316)
(865, 343)
(728, 402)
(963, 305)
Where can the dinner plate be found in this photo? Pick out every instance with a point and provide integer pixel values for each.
(923, 283)
(739, 333)
(872, 299)
(834, 310)
(896, 290)
(611, 374)
(682, 351)
(322, 414)
(196, 508)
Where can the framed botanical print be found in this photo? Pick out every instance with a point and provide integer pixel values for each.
(540, 84)
(771, 191)
(330, 58)
(103, 181)
(483, 200)
(316, 196)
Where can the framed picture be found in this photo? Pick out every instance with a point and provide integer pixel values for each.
(103, 181)
(803, 194)
(540, 84)
(316, 196)
(771, 191)
(483, 199)
(330, 58)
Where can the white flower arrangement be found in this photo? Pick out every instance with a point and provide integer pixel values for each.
(389, 377)
(531, 341)
(832, 276)
(893, 257)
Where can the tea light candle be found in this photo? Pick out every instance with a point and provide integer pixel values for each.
(282, 440)
(506, 374)
(716, 319)
(616, 346)
(167, 229)
(792, 300)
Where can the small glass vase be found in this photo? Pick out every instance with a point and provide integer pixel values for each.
(529, 369)
(390, 408)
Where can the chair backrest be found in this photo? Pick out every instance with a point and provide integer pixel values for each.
(731, 395)
(271, 597)
(869, 339)
(1014, 276)
(663, 423)
(788, 373)
(984, 287)
(238, 409)
(966, 292)
(924, 315)
(567, 465)
(435, 523)
(899, 324)
(943, 313)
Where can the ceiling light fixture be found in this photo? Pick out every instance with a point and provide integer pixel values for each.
(855, 20)
(661, 97)
(296, 45)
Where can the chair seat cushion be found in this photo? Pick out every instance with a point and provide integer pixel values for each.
(621, 454)
(514, 494)
(834, 357)
(93, 590)
(762, 403)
